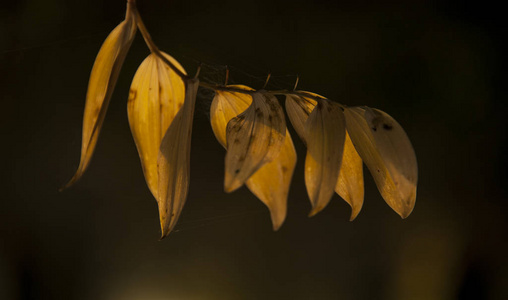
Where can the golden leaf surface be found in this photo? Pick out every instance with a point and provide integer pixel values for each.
(387, 152)
(325, 133)
(174, 162)
(350, 182)
(272, 181)
(102, 82)
(299, 109)
(155, 97)
(254, 138)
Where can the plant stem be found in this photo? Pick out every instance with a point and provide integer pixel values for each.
(131, 5)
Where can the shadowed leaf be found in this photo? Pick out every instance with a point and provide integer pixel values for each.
(174, 162)
(254, 138)
(271, 182)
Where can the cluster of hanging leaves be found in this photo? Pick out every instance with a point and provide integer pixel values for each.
(251, 126)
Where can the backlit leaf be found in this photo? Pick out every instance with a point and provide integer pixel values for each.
(325, 134)
(387, 152)
(254, 138)
(299, 109)
(350, 182)
(271, 182)
(102, 82)
(155, 97)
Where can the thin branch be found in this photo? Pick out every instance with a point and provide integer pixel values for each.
(131, 5)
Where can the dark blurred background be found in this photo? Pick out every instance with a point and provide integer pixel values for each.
(435, 66)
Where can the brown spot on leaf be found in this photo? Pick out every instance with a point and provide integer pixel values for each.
(387, 126)
(132, 94)
(259, 113)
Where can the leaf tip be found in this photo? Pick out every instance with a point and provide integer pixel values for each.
(231, 184)
(355, 211)
(315, 211)
(405, 213)
(277, 223)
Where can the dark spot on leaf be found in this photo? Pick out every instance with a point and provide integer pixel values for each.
(132, 94)
(237, 171)
(284, 169)
(160, 88)
(236, 141)
(374, 128)
(273, 106)
(259, 113)
(387, 126)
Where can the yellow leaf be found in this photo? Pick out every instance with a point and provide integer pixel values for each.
(174, 162)
(271, 182)
(299, 109)
(387, 152)
(102, 82)
(350, 182)
(225, 106)
(325, 134)
(155, 97)
(254, 138)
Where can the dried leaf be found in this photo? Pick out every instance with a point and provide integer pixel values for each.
(254, 138)
(226, 106)
(271, 182)
(350, 182)
(387, 152)
(102, 82)
(299, 109)
(325, 134)
(156, 95)
(174, 162)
